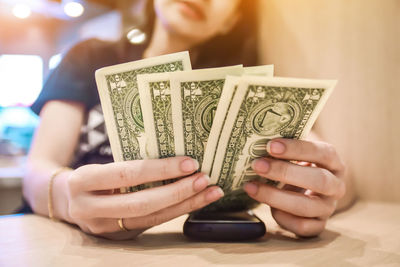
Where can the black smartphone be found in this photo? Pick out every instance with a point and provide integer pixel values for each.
(224, 226)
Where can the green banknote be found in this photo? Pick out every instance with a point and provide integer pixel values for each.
(155, 100)
(119, 96)
(228, 91)
(195, 96)
(263, 70)
(263, 109)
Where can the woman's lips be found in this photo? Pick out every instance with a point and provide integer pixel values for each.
(192, 10)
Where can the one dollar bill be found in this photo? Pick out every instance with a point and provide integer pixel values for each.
(228, 91)
(155, 100)
(263, 109)
(119, 96)
(195, 96)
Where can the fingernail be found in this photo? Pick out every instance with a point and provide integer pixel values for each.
(260, 165)
(201, 183)
(251, 188)
(275, 147)
(189, 165)
(215, 194)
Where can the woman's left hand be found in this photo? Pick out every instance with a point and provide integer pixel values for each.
(318, 183)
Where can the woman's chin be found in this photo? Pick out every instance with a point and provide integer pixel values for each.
(185, 29)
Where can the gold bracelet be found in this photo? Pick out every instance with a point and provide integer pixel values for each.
(50, 191)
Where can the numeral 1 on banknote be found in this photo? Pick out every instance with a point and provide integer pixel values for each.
(263, 109)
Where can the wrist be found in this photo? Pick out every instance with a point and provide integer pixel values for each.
(60, 197)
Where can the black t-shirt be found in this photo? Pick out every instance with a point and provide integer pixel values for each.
(74, 80)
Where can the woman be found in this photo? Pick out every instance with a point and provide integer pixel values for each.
(217, 32)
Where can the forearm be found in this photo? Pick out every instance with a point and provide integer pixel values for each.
(52, 148)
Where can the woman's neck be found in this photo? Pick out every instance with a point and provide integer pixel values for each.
(164, 42)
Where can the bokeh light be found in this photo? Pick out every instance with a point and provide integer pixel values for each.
(21, 11)
(21, 78)
(55, 61)
(136, 36)
(74, 9)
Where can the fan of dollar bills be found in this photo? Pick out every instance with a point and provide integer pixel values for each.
(223, 117)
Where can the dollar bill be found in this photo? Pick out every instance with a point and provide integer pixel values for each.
(263, 70)
(195, 96)
(228, 91)
(263, 109)
(119, 96)
(155, 101)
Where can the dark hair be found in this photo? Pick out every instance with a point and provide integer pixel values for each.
(239, 46)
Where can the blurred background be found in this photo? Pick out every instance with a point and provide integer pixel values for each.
(354, 41)
(34, 36)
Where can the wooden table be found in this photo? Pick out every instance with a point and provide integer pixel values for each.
(11, 173)
(366, 235)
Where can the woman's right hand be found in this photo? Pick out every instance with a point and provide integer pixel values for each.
(96, 210)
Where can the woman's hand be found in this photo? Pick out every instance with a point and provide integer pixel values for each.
(318, 184)
(96, 210)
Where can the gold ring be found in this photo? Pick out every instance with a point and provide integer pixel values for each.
(121, 225)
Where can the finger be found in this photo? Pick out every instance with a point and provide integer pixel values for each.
(202, 199)
(292, 202)
(109, 228)
(316, 179)
(301, 226)
(122, 235)
(198, 201)
(289, 187)
(147, 201)
(132, 173)
(323, 154)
